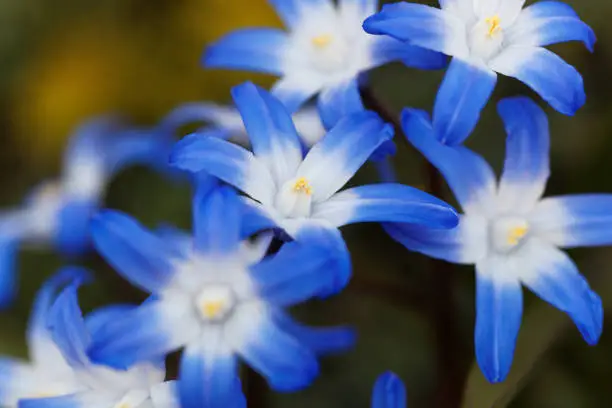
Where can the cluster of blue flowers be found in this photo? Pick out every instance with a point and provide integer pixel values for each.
(265, 221)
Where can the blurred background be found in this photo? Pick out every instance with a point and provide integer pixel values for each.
(63, 61)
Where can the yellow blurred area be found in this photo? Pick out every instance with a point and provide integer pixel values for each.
(98, 64)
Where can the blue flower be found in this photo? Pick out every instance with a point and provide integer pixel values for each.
(220, 298)
(389, 392)
(487, 37)
(325, 52)
(510, 233)
(59, 374)
(225, 122)
(295, 192)
(57, 212)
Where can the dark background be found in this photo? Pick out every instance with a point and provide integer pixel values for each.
(62, 61)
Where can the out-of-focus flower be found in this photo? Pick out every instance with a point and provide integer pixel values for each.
(227, 122)
(325, 52)
(57, 212)
(486, 37)
(220, 298)
(294, 192)
(510, 233)
(60, 373)
(389, 392)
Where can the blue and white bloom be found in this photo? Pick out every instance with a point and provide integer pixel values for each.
(220, 299)
(389, 392)
(293, 192)
(60, 375)
(57, 212)
(325, 52)
(510, 233)
(486, 37)
(227, 123)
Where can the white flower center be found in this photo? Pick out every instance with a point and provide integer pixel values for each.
(508, 232)
(486, 38)
(294, 200)
(329, 52)
(215, 303)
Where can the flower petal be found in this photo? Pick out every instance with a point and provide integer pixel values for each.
(295, 89)
(555, 80)
(389, 392)
(553, 276)
(8, 269)
(420, 25)
(72, 235)
(499, 309)
(208, 373)
(387, 49)
(229, 162)
(251, 49)
(338, 101)
(217, 219)
(16, 380)
(386, 203)
(316, 264)
(575, 220)
(271, 131)
(463, 94)
(65, 401)
(144, 334)
(338, 156)
(137, 254)
(466, 244)
(67, 325)
(467, 174)
(321, 340)
(291, 11)
(280, 358)
(526, 168)
(550, 22)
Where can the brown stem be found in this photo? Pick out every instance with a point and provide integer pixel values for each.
(452, 373)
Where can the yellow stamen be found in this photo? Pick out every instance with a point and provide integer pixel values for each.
(322, 41)
(123, 405)
(302, 186)
(212, 309)
(494, 25)
(516, 234)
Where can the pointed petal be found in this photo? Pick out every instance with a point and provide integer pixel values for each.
(217, 221)
(555, 80)
(316, 264)
(136, 253)
(137, 147)
(387, 49)
(8, 272)
(40, 343)
(575, 220)
(468, 175)
(550, 22)
(271, 131)
(553, 276)
(499, 309)
(16, 380)
(208, 373)
(420, 25)
(386, 203)
(466, 244)
(145, 334)
(251, 49)
(254, 218)
(229, 162)
(321, 340)
(72, 236)
(67, 325)
(277, 356)
(463, 94)
(165, 395)
(338, 156)
(389, 392)
(66, 401)
(338, 101)
(526, 168)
